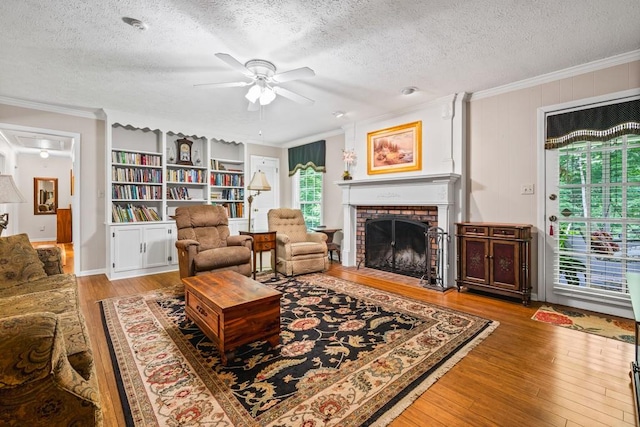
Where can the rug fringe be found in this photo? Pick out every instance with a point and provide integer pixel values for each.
(403, 404)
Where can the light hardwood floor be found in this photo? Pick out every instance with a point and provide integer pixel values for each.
(526, 373)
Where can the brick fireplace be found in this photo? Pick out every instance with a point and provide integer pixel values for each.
(363, 213)
(431, 198)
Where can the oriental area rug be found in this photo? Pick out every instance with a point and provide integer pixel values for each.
(349, 355)
(616, 328)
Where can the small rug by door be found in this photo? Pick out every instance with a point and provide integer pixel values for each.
(616, 328)
(350, 355)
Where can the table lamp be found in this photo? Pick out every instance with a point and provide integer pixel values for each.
(258, 183)
(8, 194)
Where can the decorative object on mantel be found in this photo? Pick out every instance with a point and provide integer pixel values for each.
(348, 156)
(258, 183)
(395, 149)
(358, 356)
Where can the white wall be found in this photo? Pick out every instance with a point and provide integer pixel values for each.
(332, 207)
(502, 145)
(28, 167)
(439, 152)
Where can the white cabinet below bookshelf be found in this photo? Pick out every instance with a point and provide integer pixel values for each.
(142, 248)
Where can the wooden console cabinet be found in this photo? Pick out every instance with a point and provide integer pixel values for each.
(494, 258)
(63, 234)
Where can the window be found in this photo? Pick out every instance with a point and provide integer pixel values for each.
(308, 195)
(599, 195)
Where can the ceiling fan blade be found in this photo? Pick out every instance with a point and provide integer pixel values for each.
(228, 84)
(254, 106)
(235, 64)
(293, 96)
(298, 73)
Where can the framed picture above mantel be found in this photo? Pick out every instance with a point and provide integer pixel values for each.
(395, 149)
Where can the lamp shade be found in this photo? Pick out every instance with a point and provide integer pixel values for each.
(254, 93)
(259, 182)
(8, 191)
(267, 96)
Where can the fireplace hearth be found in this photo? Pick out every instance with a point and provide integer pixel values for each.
(396, 244)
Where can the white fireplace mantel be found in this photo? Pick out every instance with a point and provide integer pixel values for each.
(417, 190)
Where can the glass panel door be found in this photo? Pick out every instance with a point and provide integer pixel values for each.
(593, 208)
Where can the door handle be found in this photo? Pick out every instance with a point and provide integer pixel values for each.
(553, 218)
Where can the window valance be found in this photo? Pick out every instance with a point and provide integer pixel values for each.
(310, 155)
(593, 124)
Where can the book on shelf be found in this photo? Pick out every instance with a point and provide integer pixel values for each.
(137, 159)
(131, 213)
(136, 192)
(234, 210)
(178, 193)
(227, 179)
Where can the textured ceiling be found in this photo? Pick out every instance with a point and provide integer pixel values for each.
(80, 53)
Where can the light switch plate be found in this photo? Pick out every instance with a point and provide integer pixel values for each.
(527, 189)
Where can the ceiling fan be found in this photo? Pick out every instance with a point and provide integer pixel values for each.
(264, 81)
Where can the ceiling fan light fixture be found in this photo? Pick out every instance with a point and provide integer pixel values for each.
(268, 95)
(44, 153)
(254, 93)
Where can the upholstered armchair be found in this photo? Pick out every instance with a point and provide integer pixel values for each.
(205, 244)
(299, 251)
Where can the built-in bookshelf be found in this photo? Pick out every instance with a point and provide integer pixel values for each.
(226, 186)
(185, 183)
(136, 175)
(150, 175)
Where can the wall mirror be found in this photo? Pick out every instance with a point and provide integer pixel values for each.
(45, 196)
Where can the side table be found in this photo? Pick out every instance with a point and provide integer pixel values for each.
(331, 246)
(262, 241)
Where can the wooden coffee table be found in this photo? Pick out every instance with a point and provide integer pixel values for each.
(232, 310)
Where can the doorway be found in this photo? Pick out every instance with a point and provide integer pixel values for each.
(37, 151)
(267, 199)
(592, 215)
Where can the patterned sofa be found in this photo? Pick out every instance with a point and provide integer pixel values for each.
(47, 375)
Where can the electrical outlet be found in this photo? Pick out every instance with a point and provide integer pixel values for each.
(527, 189)
(42, 228)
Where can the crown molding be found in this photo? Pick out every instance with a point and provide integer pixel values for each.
(86, 113)
(312, 138)
(433, 103)
(600, 64)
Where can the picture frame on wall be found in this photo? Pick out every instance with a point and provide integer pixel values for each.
(395, 149)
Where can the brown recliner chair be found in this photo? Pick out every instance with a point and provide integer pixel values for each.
(299, 251)
(205, 244)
